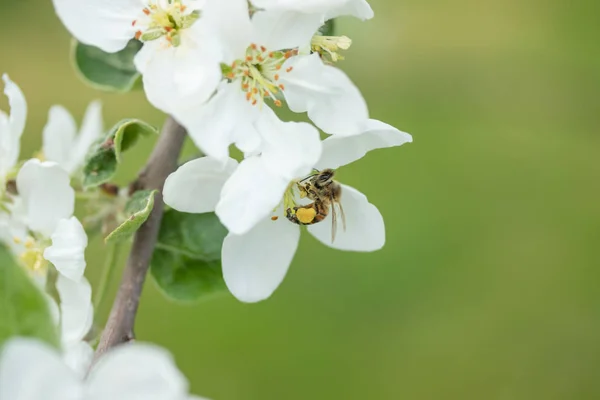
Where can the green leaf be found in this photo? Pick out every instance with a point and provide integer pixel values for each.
(328, 29)
(24, 311)
(101, 163)
(137, 211)
(107, 71)
(186, 263)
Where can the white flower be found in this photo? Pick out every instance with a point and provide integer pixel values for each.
(31, 370)
(40, 226)
(47, 195)
(260, 68)
(328, 8)
(11, 129)
(76, 318)
(253, 202)
(180, 51)
(62, 143)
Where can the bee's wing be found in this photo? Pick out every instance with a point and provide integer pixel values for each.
(334, 215)
(333, 222)
(343, 215)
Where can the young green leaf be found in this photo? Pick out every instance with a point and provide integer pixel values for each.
(186, 263)
(101, 163)
(24, 310)
(137, 210)
(106, 71)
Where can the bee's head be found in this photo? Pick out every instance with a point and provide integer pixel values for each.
(324, 177)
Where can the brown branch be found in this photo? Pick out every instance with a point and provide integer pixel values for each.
(162, 161)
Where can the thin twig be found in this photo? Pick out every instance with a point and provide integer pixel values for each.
(162, 161)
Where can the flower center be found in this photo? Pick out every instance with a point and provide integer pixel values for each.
(32, 256)
(259, 73)
(165, 20)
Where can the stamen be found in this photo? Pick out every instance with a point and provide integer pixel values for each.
(165, 21)
(258, 73)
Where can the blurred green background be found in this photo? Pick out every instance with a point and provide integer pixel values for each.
(488, 285)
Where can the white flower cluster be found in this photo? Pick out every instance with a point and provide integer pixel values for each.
(218, 67)
(37, 204)
(38, 226)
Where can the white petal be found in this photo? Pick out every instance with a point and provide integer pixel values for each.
(31, 370)
(12, 127)
(107, 24)
(326, 93)
(289, 149)
(212, 127)
(249, 196)
(197, 71)
(196, 186)
(247, 139)
(229, 22)
(365, 230)
(52, 306)
(277, 30)
(47, 195)
(343, 150)
(92, 128)
(59, 136)
(176, 77)
(355, 8)
(254, 264)
(78, 356)
(13, 227)
(67, 252)
(305, 6)
(76, 309)
(136, 371)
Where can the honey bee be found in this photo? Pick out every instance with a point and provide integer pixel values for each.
(326, 194)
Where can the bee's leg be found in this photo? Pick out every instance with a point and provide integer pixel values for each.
(302, 190)
(292, 216)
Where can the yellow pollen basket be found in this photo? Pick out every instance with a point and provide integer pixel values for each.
(306, 215)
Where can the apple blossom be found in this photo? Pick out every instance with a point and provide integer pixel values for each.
(40, 227)
(11, 129)
(181, 48)
(62, 144)
(252, 204)
(31, 370)
(263, 64)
